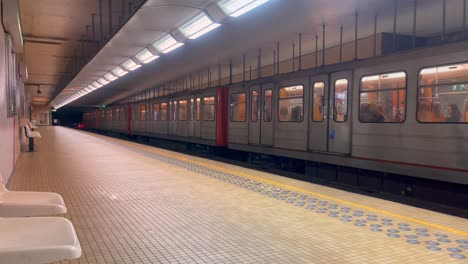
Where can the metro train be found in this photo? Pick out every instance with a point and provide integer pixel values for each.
(401, 114)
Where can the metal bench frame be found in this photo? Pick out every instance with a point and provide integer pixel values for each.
(31, 135)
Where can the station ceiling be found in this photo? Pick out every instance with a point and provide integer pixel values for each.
(52, 30)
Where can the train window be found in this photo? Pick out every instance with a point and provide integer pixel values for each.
(142, 112)
(341, 101)
(117, 114)
(383, 98)
(291, 101)
(198, 109)
(254, 106)
(443, 94)
(183, 110)
(209, 108)
(267, 105)
(238, 107)
(156, 111)
(319, 102)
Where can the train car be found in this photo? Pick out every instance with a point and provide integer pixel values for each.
(386, 114)
(195, 116)
(383, 114)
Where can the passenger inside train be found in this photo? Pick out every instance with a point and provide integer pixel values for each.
(453, 114)
(438, 115)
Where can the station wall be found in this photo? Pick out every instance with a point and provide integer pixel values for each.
(11, 89)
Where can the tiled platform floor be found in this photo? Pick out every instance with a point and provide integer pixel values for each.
(137, 204)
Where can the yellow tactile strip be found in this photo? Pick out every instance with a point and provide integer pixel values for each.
(131, 208)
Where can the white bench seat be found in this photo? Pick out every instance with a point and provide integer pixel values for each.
(32, 126)
(20, 204)
(37, 240)
(27, 204)
(31, 134)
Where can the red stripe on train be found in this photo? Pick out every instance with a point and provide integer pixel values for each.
(414, 164)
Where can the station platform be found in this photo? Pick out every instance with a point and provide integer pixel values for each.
(132, 203)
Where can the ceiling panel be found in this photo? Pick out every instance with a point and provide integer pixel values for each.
(52, 30)
(163, 18)
(153, 21)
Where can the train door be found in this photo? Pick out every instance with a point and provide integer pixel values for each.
(238, 115)
(191, 127)
(254, 114)
(170, 116)
(266, 117)
(133, 115)
(174, 117)
(164, 118)
(198, 115)
(318, 101)
(148, 118)
(339, 129)
(292, 126)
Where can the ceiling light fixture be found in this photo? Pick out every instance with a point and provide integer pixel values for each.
(110, 77)
(119, 71)
(96, 85)
(167, 44)
(198, 26)
(236, 8)
(103, 81)
(131, 65)
(145, 56)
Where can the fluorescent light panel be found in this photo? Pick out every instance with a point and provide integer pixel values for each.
(145, 56)
(119, 71)
(102, 81)
(236, 8)
(110, 77)
(96, 85)
(204, 31)
(130, 65)
(167, 44)
(198, 26)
